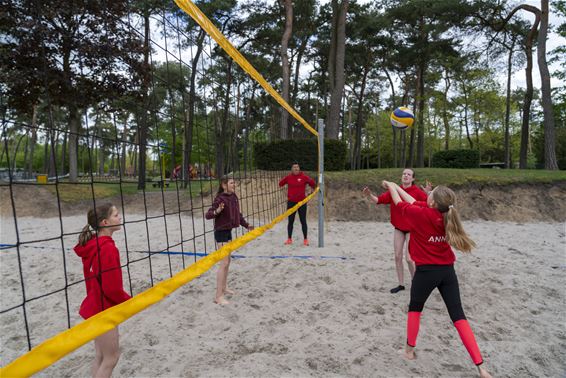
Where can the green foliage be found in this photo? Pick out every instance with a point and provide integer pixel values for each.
(281, 154)
(456, 159)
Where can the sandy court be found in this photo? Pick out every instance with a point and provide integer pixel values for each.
(330, 314)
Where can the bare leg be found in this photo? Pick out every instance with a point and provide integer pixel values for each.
(483, 372)
(410, 262)
(108, 345)
(221, 277)
(398, 243)
(97, 359)
(409, 353)
(225, 290)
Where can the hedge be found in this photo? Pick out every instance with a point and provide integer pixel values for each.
(456, 159)
(280, 154)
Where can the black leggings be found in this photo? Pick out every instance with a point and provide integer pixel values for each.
(302, 216)
(443, 277)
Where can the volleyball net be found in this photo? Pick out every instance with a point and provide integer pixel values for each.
(155, 153)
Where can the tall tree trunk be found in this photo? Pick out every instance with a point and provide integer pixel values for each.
(144, 122)
(445, 112)
(466, 106)
(549, 131)
(74, 125)
(222, 128)
(359, 121)
(336, 67)
(64, 153)
(508, 104)
(286, 72)
(420, 117)
(188, 129)
(528, 95)
(33, 141)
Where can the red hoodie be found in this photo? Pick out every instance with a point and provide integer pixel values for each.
(396, 219)
(427, 245)
(103, 276)
(296, 185)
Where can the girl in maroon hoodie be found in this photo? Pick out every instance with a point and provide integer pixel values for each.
(103, 279)
(226, 213)
(435, 226)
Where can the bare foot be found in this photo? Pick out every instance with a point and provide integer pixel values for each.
(221, 301)
(229, 291)
(483, 372)
(408, 353)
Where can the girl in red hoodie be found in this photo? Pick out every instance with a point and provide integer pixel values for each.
(226, 213)
(435, 226)
(103, 279)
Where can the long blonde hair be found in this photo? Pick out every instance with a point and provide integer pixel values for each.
(94, 217)
(445, 199)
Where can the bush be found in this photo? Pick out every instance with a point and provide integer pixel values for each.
(456, 159)
(279, 155)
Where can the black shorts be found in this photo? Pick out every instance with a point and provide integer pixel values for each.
(222, 236)
(403, 231)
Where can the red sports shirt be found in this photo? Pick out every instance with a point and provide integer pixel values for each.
(427, 245)
(396, 219)
(296, 185)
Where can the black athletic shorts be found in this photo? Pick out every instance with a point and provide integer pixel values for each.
(222, 236)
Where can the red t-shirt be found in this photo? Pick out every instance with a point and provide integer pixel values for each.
(103, 276)
(396, 219)
(427, 245)
(296, 185)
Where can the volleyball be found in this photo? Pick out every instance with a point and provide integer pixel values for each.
(402, 118)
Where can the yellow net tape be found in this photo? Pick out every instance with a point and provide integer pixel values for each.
(193, 11)
(51, 350)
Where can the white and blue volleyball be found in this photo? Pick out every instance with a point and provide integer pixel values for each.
(402, 118)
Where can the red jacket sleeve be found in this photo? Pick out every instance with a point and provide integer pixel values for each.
(311, 182)
(111, 273)
(384, 198)
(283, 181)
(420, 195)
(420, 203)
(210, 213)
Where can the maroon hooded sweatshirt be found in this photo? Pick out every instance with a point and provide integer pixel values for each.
(230, 217)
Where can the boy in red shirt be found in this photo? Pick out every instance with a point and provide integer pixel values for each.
(296, 183)
(401, 231)
(434, 229)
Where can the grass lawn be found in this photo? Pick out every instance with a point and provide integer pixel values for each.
(438, 176)
(449, 177)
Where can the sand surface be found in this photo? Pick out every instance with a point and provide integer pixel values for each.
(327, 315)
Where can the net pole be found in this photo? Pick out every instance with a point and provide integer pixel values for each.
(321, 183)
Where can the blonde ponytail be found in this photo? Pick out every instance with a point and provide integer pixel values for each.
(85, 235)
(455, 234)
(445, 199)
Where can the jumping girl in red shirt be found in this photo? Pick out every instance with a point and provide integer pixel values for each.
(225, 211)
(401, 230)
(433, 230)
(103, 279)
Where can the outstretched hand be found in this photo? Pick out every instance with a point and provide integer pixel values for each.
(220, 208)
(428, 187)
